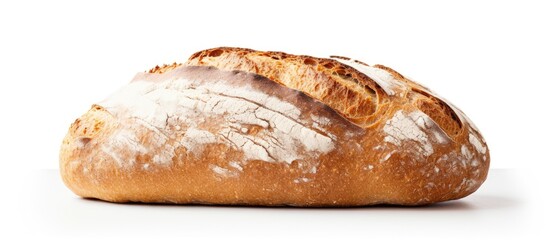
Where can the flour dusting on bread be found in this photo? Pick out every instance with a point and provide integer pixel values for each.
(389, 84)
(473, 139)
(404, 127)
(282, 131)
(239, 126)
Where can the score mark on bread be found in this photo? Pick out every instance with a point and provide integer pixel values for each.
(239, 126)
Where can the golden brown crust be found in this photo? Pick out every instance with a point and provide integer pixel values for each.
(348, 91)
(345, 89)
(406, 148)
(164, 68)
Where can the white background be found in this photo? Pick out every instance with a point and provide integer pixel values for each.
(59, 57)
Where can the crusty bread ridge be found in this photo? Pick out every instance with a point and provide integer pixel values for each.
(350, 92)
(377, 137)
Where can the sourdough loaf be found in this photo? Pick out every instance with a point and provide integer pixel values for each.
(244, 127)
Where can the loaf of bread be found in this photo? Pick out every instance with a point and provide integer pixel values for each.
(242, 127)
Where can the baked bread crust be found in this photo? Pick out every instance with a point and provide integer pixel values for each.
(238, 126)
